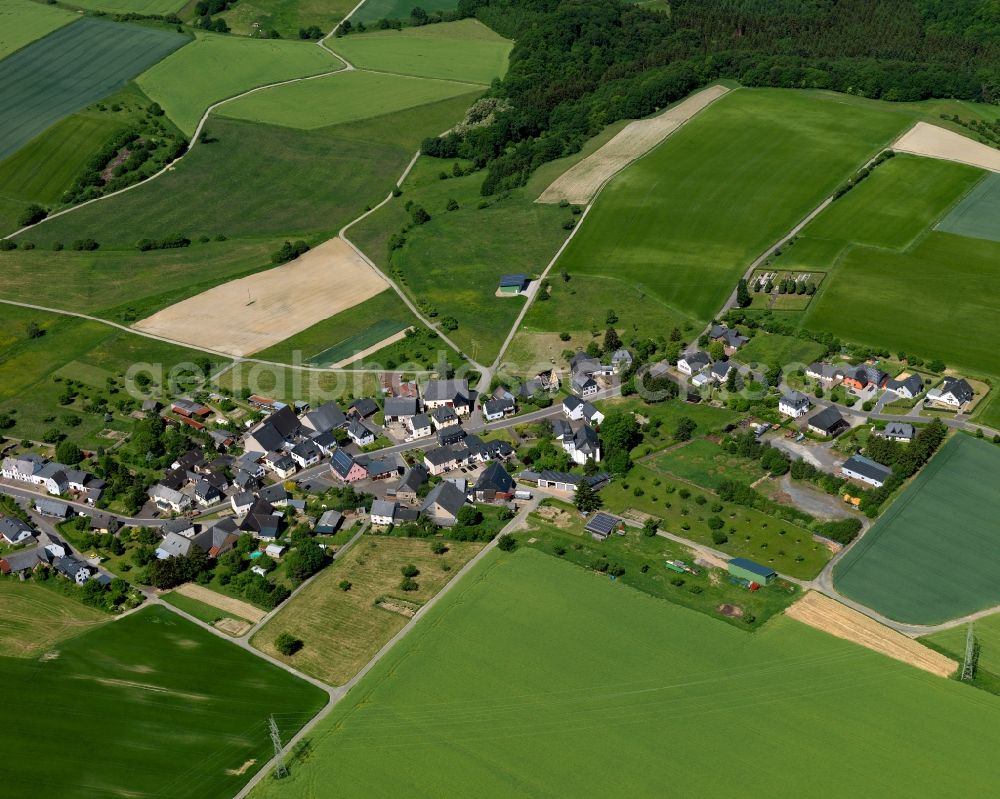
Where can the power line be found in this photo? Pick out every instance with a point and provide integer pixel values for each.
(280, 771)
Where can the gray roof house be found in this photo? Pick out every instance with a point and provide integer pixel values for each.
(443, 503)
(897, 431)
(14, 531)
(399, 408)
(908, 388)
(858, 467)
(327, 416)
(329, 522)
(828, 422)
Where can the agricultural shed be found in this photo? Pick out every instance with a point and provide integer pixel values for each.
(752, 572)
(513, 284)
(601, 525)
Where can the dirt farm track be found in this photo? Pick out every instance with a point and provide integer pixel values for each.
(244, 316)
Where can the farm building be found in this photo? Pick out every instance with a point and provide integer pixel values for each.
(828, 422)
(601, 525)
(513, 284)
(744, 569)
(329, 522)
(858, 467)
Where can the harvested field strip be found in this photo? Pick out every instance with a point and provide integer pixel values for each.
(830, 616)
(249, 314)
(935, 142)
(363, 341)
(235, 607)
(580, 183)
(70, 69)
(978, 214)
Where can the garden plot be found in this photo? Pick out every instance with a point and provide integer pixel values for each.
(249, 314)
(580, 183)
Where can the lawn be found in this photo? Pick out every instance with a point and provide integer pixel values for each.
(783, 350)
(315, 181)
(453, 263)
(933, 554)
(945, 283)
(465, 51)
(24, 21)
(976, 215)
(143, 712)
(286, 16)
(642, 557)
(707, 464)
(344, 333)
(525, 680)
(374, 10)
(77, 64)
(684, 222)
(344, 97)
(215, 66)
(342, 630)
(666, 414)
(33, 372)
(33, 618)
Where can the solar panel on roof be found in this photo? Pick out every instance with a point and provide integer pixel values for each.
(603, 523)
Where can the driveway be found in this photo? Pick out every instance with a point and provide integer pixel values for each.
(822, 456)
(813, 501)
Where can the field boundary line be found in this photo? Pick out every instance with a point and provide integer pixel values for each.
(389, 340)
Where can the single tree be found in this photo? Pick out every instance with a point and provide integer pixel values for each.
(586, 499)
(743, 297)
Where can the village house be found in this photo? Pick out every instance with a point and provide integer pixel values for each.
(419, 425)
(206, 493)
(730, 338)
(826, 373)
(444, 416)
(281, 464)
(621, 360)
(583, 445)
(305, 454)
(345, 468)
(399, 409)
(953, 391)
(362, 408)
(498, 407)
(413, 479)
(450, 435)
(274, 433)
(896, 431)
(719, 371)
(383, 512)
(793, 404)
(14, 531)
(168, 498)
(360, 434)
(241, 502)
(73, 569)
(494, 484)
(276, 494)
(261, 520)
(862, 377)
(443, 503)
(440, 460)
(908, 388)
(693, 362)
(828, 422)
(326, 417)
(451, 393)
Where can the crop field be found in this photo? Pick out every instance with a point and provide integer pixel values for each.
(132, 6)
(174, 728)
(345, 97)
(933, 555)
(352, 345)
(33, 371)
(33, 618)
(24, 21)
(942, 271)
(454, 262)
(684, 222)
(342, 630)
(374, 10)
(559, 683)
(313, 344)
(707, 464)
(315, 182)
(216, 66)
(286, 16)
(977, 214)
(47, 81)
(465, 51)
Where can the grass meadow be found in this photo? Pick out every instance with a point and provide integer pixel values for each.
(351, 325)
(34, 618)
(289, 384)
(706, 464)
(987, 632)
(454, 262)
(683, 222)
(344, 97)
(342, 630)
(374, 10)
(24, 21)
(773, 349)
(132, 6)
(524, 682)
(286, 16)
(314, 182)
(977, 214)
(933, 555)
(465, 51)
(142, 711)
(66, 71)
(216, 66)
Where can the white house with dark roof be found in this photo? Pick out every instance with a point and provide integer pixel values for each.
(908, 388)
(693, 362)
(306, 453)
(572, 407)
(14, 531)
(360, 433)
(953, 391)
(583, 445)
(896, 431)
(399, 409)
(451, 393)
(169, 498)
(793, 404)
(419, 425)
(383, 512)
(826, 373)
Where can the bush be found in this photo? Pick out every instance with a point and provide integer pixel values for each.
(31, 215)
(85, 245)
(409, 584)
(169, 243)
(719, 537)
(344, 585)
(289, 252)
(287, 644)
(410, 570)
(507, 542)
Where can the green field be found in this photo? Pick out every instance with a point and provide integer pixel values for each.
(465, 51)
(978, 212)
(195, 607)
(374, 10)
(24, 21)
(933, 556)
(286, 16)
(132, 6)
(215, 66)
(782, 350)
(347, 326)
(350, 346)
(33, 618)
(142, 711)
(454, 262)
(987, 632)
(315, 181)
(71, 68)
(563, 699)
(707, 464)
(289, 384)
(344, 97)
(684, 222)
(32, 371)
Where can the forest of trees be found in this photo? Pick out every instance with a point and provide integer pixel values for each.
(578, 65)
